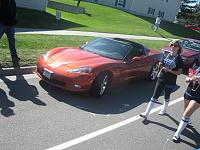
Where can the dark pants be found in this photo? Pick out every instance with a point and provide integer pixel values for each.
(10, 32)
(160, 86)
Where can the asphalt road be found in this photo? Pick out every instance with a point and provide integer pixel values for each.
(36, 116)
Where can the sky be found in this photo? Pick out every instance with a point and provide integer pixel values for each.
(193, 4)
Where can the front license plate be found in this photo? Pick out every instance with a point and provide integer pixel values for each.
(48, 74)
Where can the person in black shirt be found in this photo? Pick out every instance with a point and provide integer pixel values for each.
(191, 102)
(7, 23)
(170, 66)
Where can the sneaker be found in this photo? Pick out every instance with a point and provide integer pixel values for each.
(176, 139)
(143, 116)
(189, 124)
(162, 112)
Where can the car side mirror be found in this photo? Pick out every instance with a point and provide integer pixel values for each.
(84, 44)
(136, 58)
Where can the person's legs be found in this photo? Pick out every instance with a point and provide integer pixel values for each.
(168, 91)
(186, 103)
(10, 31)
(155, 27)
(192, 106)
(2, 30)
(157, 91)
(164, 107)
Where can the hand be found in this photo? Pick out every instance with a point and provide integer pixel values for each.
(166, 69)
(160, 65)
(188, 79)
(196, 78)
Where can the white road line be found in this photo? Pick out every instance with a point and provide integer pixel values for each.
(105, 130)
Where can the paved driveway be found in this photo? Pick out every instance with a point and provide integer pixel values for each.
(36, 116)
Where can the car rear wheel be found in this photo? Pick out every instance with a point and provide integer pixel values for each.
(101, 84)
(154, 72)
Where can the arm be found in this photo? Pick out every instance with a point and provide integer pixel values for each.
(196, 78)
(193, 78)
(178, 72)
(188, 79)
(160, 65)
(179, 63)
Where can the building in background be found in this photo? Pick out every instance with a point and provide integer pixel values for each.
(32, 4)
(167, 9)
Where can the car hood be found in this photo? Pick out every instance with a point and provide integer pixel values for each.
(185, 52)
(75, 57)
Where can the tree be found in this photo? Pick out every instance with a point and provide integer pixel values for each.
(188, 6)
(189, 12)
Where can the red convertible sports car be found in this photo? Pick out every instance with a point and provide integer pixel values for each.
(193, 27)
(97, 65)
(190, 52)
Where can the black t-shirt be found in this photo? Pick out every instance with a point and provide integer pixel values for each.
(8, 12)
(174, 63)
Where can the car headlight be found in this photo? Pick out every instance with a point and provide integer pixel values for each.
(80, 70)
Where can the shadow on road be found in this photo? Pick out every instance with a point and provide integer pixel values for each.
(6, 104)
(21, 90)
(190, 132)
(120, 100)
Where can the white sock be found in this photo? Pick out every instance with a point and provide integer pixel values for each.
(182, 125)
(150, 106)
(164, 108)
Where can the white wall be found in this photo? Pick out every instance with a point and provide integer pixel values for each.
(108, 2)
(32, 4)
(170, 8)
(141, 7)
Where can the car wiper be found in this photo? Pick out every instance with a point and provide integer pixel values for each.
(82, 48)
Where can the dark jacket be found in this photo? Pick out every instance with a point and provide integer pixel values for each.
(8, 12)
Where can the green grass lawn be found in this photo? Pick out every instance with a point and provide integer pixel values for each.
(97, 18)
(29, 47)
(101, 19)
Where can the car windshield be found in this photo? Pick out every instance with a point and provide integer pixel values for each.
(192, 45)
(108, 48)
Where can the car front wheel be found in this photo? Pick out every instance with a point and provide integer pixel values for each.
(101, 84)
(154, 72)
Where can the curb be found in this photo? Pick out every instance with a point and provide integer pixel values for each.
(17, 71)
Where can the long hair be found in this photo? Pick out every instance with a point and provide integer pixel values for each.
(177, 43)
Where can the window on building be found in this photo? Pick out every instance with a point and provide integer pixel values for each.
(161, 14)
(151, 11)
(120, 3)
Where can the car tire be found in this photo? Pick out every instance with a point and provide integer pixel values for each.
(195, 64)
(154, 72)
(101, 84)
